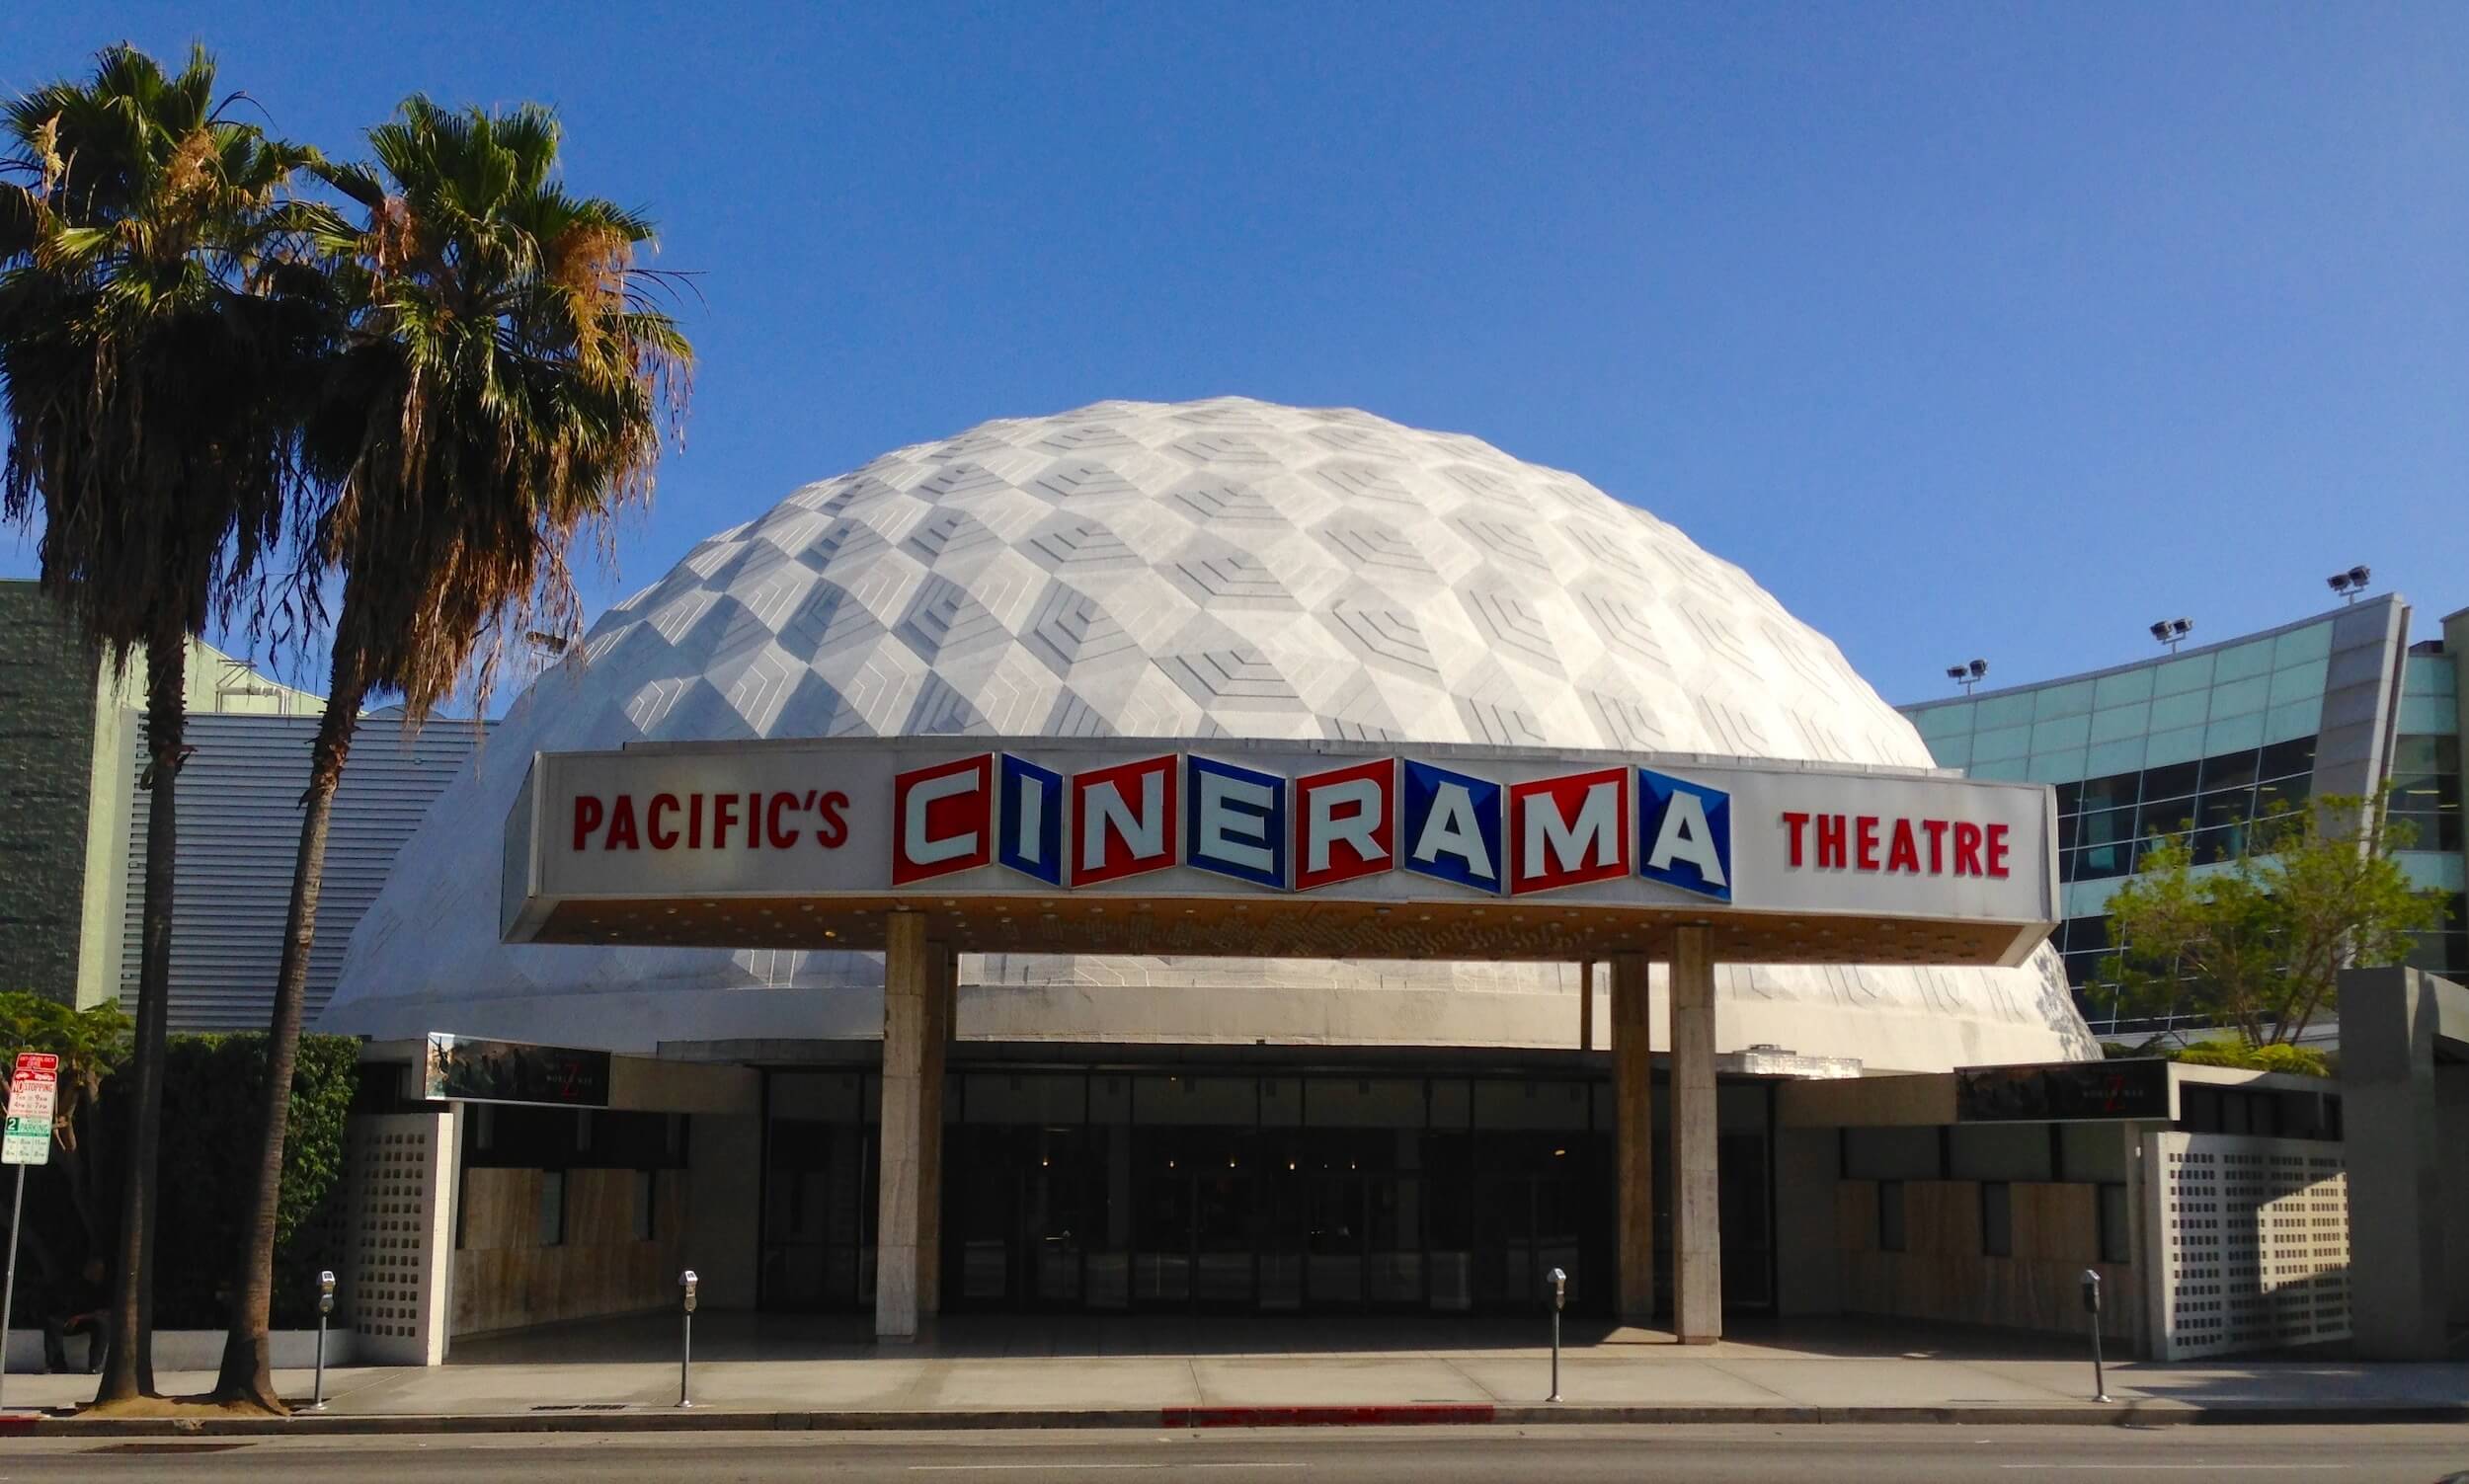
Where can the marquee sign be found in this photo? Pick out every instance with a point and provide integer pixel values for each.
(957, 819)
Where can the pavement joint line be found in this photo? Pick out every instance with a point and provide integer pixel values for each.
(1719, 1369)
(1458, 1365)
(650, 1419)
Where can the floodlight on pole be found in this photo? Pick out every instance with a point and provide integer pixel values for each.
(1968, 674)
(2173, 632)
(2351, 584)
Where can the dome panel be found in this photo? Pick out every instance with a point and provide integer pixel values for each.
(1226, 568)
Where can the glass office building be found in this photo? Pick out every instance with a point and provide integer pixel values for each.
(2210, 740)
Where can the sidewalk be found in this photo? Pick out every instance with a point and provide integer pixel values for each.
(767, 1373)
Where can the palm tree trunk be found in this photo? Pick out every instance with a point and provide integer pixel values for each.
(128, 1366)
(248, 1368)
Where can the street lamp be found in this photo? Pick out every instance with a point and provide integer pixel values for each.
(2171, 631)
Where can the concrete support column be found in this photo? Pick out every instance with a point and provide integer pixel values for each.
(2393, 1107)
(1585, 1004)
(1697, 1228)
(1632, 1138)
(909, 1196)
(943, 969)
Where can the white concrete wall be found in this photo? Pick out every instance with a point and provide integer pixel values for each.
(402, 1168)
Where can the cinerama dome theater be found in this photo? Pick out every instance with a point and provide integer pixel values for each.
(1225, 567)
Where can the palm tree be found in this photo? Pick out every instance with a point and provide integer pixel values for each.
(503, 383)
(143, 322)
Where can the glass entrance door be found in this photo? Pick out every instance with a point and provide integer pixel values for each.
(1225, 1236)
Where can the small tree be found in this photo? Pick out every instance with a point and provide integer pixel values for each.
(91, 1043)
(146, 239)
(501, 387)
(2258, 943)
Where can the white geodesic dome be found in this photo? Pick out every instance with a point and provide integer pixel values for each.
(1225, 567)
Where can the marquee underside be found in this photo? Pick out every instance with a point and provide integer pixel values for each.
(1293, 927)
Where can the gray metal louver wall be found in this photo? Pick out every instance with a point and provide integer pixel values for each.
(239, 834)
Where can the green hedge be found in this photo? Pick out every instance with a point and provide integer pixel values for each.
(210, 1089)
(2229, 1051)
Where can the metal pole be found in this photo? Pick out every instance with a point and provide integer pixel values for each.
(317, 1396)
(8, 1289)
(325, 1306)
(2100, 1387)
(1560, 1282)
(688, 1283)
(1555, 1354)
(2091, 1281)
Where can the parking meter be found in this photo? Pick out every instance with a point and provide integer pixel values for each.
(1560, 1282)
(325, 1306)
(685, 1349)
(2091, 1281)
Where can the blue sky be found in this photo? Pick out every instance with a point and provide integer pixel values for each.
(1968, 329)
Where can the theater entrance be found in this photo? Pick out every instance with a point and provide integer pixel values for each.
(1224, 1191)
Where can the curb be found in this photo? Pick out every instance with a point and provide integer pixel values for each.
(2141, 1413)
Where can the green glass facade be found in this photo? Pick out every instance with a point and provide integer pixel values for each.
(2213, 738)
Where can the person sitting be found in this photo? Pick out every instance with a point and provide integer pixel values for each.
(78, 1307)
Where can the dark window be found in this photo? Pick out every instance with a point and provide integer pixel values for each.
(2282, 794)
(2418, 753)
(523, 1138)
(2175, 781)
(646, 1206)
(2287, 759)
(2116, 791)
(2107, 828)
(552, 1222)
(2116, 1238)
(1891, 1215)
(2094, 861)
(1997, 1218)
(2069, 799)
(2444, 948)
(2165, 817)
(2198, 1109)
(2229, 770)
(2222, 842)
(2232, 805)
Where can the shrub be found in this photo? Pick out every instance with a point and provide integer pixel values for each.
(2280, 1056)
(211, 1088)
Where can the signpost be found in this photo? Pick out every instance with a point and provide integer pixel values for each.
(34, 1092)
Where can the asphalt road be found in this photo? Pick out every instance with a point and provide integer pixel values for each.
(1814, 1455)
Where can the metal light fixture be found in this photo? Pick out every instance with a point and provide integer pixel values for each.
(1967, 676)
(2173, 631)
(2351, 583)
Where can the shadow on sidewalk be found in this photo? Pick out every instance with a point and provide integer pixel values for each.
(742, 1336)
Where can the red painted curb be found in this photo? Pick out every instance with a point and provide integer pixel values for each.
(1443, 1414)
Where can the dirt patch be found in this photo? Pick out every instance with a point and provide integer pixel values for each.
(199, 1408)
